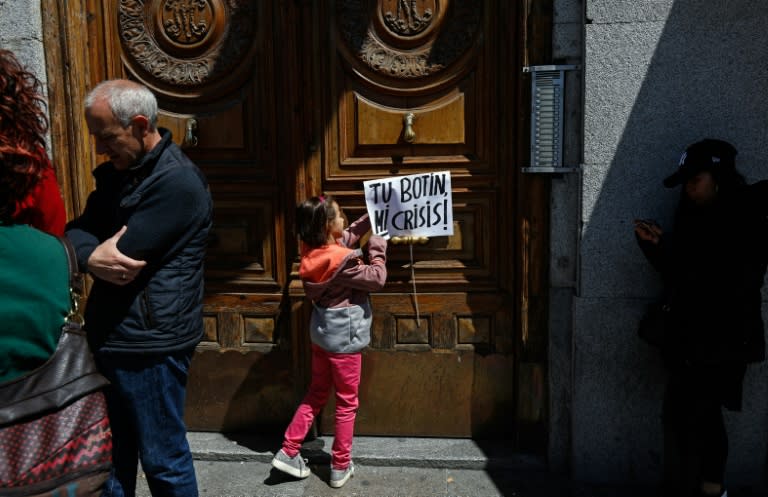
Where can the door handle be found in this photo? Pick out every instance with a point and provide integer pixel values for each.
(409, 240)
(409, 135)
(190, 138)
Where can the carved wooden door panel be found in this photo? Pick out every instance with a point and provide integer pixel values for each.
(211, 65)
(441, 363)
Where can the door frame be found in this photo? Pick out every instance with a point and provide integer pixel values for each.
(68, 72)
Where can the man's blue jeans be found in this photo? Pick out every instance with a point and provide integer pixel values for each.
(146, 409)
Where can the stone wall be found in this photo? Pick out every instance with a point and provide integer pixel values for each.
(658, 75)
(21, 32)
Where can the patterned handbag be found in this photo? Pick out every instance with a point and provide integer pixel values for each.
(55, 438)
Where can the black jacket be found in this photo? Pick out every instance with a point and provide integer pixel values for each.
(713, 265)
(165, 203)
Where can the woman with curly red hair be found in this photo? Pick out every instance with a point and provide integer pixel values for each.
(29, 193)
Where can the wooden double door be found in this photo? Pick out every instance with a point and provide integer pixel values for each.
(280, 100)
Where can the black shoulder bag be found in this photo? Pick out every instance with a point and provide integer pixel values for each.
(54, 430)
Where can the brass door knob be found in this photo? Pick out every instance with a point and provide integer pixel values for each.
(409, 240)
(409, 134)
(190, 137)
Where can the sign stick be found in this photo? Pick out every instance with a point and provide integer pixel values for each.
(415, 297)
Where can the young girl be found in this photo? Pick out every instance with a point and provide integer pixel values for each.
(338, 281)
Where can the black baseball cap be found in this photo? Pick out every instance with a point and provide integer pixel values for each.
(705, 155)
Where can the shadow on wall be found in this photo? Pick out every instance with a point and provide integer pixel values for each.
(658, 76)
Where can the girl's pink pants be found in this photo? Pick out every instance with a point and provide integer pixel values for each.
(342, 371)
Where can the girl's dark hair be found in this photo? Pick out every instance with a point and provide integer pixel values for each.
(312, 218)
(23, 125)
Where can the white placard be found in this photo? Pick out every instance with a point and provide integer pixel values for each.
(413, 205)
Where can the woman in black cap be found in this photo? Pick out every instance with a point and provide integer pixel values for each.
(712, 265)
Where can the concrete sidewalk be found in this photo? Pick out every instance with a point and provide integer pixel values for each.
(453, 453)
(386, 467)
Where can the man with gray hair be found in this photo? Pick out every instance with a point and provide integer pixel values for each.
(142, 236)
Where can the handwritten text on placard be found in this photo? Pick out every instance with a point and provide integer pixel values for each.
(413, 205)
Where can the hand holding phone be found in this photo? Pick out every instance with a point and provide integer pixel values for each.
(648, 229)
(645, 223)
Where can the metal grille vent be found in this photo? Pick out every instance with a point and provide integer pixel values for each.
(547, 96)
